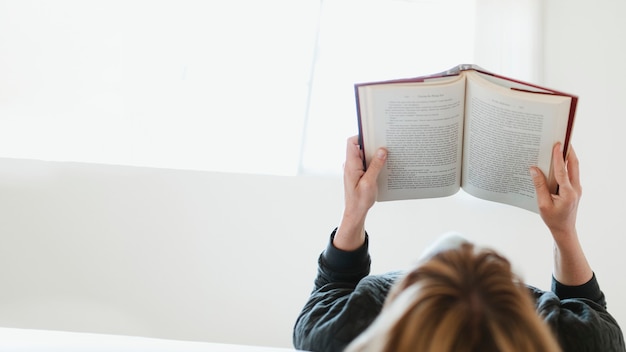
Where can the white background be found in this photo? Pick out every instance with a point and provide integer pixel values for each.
(228, 256)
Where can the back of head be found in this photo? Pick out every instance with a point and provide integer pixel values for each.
(461, 299)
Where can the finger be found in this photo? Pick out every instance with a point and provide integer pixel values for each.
(354, 160)
(354, 140)
(573, 169)
(376, 165)
(560, 168)
(353, 166)
(544, 198)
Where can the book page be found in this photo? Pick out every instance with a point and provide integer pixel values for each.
(512, 84)
(421, 125)
(506, 132)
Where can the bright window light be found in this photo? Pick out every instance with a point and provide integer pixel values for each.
(242, 86)
(367, 40)
(208, 85)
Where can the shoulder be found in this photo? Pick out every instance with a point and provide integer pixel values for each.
(367, 296)
(579, 318)
(336, 313)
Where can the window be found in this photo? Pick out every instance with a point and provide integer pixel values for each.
(236, 86)
(364, 41)
(208, 85)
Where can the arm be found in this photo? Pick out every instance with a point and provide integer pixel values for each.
(578, 313)
(360, 190)
(345, 300)
(558, 211)
(333, 316)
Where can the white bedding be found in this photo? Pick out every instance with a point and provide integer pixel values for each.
(14, 340)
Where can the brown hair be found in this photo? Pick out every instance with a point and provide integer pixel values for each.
(459, 300)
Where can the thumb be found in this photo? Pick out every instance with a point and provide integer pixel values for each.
(377, 164)
(541, 186)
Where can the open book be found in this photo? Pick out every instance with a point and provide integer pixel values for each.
(463, 128)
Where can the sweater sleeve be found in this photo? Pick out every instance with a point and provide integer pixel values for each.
(339, 266)
(579, 318)
(344, 302)
(589, 290)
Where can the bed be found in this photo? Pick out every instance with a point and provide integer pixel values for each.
(14, 339)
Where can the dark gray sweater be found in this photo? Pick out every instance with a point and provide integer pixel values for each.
(346, 300)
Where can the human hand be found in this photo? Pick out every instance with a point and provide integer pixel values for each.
(559, 211)
(360, 191)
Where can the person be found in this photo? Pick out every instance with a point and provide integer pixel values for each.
(459, 297)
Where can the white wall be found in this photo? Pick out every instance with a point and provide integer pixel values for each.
(153, 252)
(203, 256)
(584, 53)
(231, 258)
